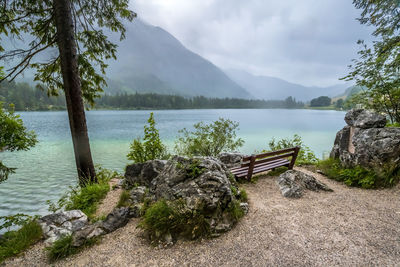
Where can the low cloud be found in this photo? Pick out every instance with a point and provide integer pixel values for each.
(309, 42)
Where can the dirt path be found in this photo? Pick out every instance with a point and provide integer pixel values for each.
(348, 227)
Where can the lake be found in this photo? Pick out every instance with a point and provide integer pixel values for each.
(46, 171)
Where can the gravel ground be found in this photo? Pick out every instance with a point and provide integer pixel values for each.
(111, 200)
(347, 227)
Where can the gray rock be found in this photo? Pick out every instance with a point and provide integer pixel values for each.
(365, 119)
(88, 232)
(143, 173)
(118, 218)
(293, 183)
(57, 225)
(231, 159)
(245, 207)
(135, 211)
(372, 148)
(137, 194)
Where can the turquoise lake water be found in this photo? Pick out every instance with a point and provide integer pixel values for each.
(47, 170)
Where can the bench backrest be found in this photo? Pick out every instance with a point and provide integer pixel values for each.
(254, 160)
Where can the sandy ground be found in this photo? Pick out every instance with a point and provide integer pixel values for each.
(347, 227)
(111, 200)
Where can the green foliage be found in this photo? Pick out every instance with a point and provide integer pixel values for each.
(63, 248)
(34, 21)
(235, 210)
(396, 124)
(243, 195)
(151, 147)
(358, 176)
(85, 198)
(174, 218)
(13, 136)
(305, 156)
(377, 69)
(14, 242)
(123, 199)
(209, 139)
(18, 219)
(321, 101)
(339, 103)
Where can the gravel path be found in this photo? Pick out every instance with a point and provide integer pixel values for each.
(350, 226)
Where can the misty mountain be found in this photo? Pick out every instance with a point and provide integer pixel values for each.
(152, 60)
(265, 87)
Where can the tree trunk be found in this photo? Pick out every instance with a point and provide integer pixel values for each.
(73, 92)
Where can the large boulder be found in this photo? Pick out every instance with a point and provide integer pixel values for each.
(143, 173)
(203, 185)
(57, 225)
(231, 159)
(365, 119)
(366, 143)
(292, 184)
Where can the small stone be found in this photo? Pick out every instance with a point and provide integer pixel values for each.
(293, 183)
(245, 207)
(118, 218)
(137, 194)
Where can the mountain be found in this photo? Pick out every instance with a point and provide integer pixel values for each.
(152, 60)
(266, 87)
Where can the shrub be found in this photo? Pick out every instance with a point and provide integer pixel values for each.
(305, 156)
(86, 198)
(164, 217)
(235, 210)
(14, 242)
(358, 176)
(150, 147)
(63, 248)
(209, 139)
(243, 195)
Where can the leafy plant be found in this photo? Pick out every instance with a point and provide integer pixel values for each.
(151, 147)
(14, 242)
(358, 176)
(305, 156)
(13, 136)
(235, 210)
(209, 139)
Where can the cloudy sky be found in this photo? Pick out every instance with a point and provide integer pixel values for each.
(310, 42)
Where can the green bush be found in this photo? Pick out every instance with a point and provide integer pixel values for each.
(235, 210)
(14, 242)
(164, 217)
(305, 156)
(63, 248)
(86, 198)
(358, 176)
(209, 139)
(150, 147)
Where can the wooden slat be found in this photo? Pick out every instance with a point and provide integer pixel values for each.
(268, 154)
(286, 155)
(265, 168)
(244, 169)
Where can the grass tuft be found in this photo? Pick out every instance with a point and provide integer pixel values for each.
(63, 248)
(14, 242)
(123, 199)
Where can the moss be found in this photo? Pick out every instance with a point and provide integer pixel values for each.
(63, 248)
(14, 242)
(359, 176)
(123, 199)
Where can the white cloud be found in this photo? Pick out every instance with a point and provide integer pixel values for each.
(309, 41)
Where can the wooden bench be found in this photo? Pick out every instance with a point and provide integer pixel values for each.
(266, 161)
